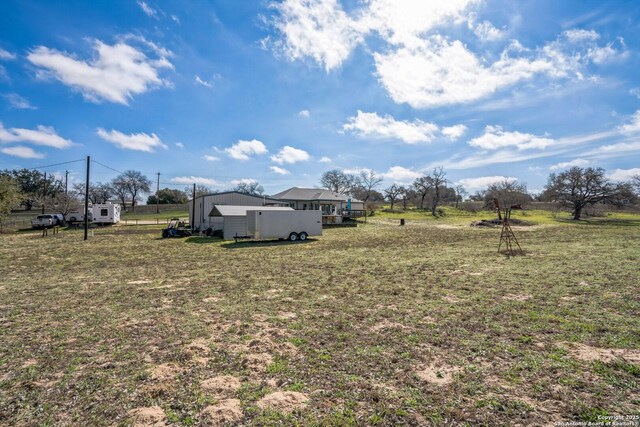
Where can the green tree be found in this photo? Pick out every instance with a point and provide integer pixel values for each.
(577, 187)
(168, 196)
(9, 194)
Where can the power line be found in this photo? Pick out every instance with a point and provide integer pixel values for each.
(105, 166)
(58, 164)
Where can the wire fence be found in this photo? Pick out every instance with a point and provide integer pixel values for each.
(14, 226)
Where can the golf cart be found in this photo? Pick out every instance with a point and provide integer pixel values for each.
(176, 228)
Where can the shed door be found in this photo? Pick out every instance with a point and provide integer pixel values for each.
(234, 225)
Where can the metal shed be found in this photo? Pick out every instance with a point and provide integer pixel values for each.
(232, 220)
(204, 203)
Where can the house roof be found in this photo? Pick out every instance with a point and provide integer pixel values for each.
(232, 210)
(297, 193)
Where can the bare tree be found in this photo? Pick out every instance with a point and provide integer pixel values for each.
(423, 185)
(392, 193)
(369, 181)
(405, 195)
(507, 192)
(98, 192)
(339, 182)
(252, 187)
(134, 183)
(460, 193)
(120, 189)
(201, 190)
(439, 181)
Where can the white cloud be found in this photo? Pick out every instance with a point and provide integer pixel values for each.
(482, 182)
(454, 132)
(565, 165)
(438, 72)
(304, 114)
(487, 32)
(17, 102)
(210, 158)
(405, 22)
(135, 141)
(116, 74)
(42, 135)
(319, 29)
(580, 35)
(616, 150)
(325, 159)
(494, 138)
(419, 66)
(624, 174)
(635, 92)
(290, 155)
(22, 152)
(179, 145)
(243, 150)
(279, 170)
(247, 181)
(401, 175)
(148, 10)
(371, 125)
(196, 180)
(203, 82)
(634, 124)
(6, 55)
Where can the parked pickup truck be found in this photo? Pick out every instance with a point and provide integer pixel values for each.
(44, 221)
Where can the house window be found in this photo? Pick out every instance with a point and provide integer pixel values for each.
(304, 207)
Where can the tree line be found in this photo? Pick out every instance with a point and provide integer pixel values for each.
(574, 189)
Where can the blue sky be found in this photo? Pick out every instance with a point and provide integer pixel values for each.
(280, 91)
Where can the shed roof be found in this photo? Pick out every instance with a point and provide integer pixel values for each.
(231, 210)
(297, 193)
(266, 199)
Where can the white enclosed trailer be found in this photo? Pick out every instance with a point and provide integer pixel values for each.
(232, 220)
(290, 224)
(107, 213)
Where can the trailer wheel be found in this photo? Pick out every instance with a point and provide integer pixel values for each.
(303, 235)
(293, 237)
(165, 234)
(72, 219)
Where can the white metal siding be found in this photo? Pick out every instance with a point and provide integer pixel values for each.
(204, 204)
(234, 225)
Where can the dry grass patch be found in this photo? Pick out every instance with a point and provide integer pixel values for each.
(152, 416)
(284, 401)
(225, 412)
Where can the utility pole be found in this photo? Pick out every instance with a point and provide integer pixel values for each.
(66, 182)
(86, 201)
(44, 191)
(157, 193)
(193, 210)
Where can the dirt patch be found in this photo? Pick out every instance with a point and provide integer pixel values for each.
(221, 386)
(198, 347)
(386, 324)
(153, 416)
(451, 299)
(164, 372)
(592, 354)
(284, 315)
(516, 297)
(438, 375)
(29, 362)
(257, 363)
(225, 412)
(283, 401)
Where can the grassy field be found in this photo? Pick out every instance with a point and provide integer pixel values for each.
(377, 325)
